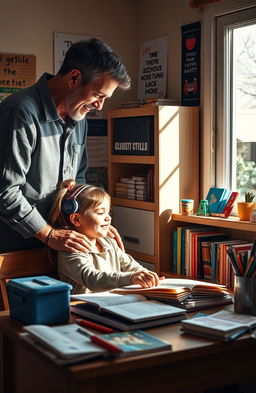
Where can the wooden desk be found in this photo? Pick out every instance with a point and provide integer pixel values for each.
(193, 365)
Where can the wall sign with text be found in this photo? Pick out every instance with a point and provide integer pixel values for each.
(190, 67)
(16, 72)
(153, 69)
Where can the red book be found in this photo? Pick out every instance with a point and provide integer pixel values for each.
(230, 204)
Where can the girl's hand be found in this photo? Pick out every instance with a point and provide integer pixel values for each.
(145, 278)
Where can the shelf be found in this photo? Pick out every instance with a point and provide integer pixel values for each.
(131, 159)
(232, 222)
(133, 203)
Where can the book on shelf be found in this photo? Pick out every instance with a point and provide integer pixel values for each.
(135, 187)
(214, 197)
(206, 262)
(227, 209)
(125, 312)
(224, 200)
(174, 252)
(224, 325)
(184, 293)
(202, 237)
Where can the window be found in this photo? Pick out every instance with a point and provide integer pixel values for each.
(236, 101)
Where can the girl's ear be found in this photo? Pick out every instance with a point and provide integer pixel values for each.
(75, 219)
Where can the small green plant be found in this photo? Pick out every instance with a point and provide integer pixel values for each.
(249, 196)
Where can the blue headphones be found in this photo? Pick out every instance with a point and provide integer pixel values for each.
(70, 205)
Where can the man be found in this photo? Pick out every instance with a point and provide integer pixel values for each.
(42, 142)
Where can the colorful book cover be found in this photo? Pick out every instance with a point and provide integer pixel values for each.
(206, 260)
(217, 260)
(214, 198)
(183, 249)
(188, 247)
(230, 204)
(203, 238)
(224, 200)
(136, 341)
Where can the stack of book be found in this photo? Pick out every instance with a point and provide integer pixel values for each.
(221, 201)
(183, 293)
(125, 312)
(224, 325)
(135, 187)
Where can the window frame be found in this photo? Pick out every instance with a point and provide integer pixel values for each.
(224, 141)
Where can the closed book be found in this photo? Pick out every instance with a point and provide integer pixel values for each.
(214, 197)
(230, 204)
(174, 252)
(136, 342)
(224, 200)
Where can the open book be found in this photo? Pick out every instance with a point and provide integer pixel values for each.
(185, 293)
(127, 312)
(223, 325)
(63, 344)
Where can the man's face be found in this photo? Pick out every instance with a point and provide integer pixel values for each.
(92, 96)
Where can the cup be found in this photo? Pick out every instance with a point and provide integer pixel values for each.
(186, 206)
(245, 295)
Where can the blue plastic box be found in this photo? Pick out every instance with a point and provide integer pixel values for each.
(39, 299)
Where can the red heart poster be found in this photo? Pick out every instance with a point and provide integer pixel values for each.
(190, 67)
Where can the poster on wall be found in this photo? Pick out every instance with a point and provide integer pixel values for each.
(16, 72)
(62, 42)
(190, 66)
(153, 69)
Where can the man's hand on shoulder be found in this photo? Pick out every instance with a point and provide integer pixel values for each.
(64, 239)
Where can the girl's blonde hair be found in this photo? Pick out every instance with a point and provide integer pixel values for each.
(90, 197)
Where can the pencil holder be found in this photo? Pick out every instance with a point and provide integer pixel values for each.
(245, 295)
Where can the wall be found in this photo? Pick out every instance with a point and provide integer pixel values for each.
(27, 27)
(165, 18)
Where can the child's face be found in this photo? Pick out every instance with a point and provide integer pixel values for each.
(96, 221)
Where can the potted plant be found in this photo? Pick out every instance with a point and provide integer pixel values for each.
(245, 208)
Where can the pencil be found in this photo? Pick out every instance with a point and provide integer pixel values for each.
(101, 341)
(93, 325)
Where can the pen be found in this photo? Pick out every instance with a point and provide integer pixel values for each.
(93, 325)
(100, 341)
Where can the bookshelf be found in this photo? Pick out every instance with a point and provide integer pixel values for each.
(172, 139)
(236, 229)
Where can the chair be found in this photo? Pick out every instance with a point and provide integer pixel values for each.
(21, 264)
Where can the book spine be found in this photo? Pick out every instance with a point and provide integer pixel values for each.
(174, 251)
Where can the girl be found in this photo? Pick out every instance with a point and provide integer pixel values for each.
(85, 208)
